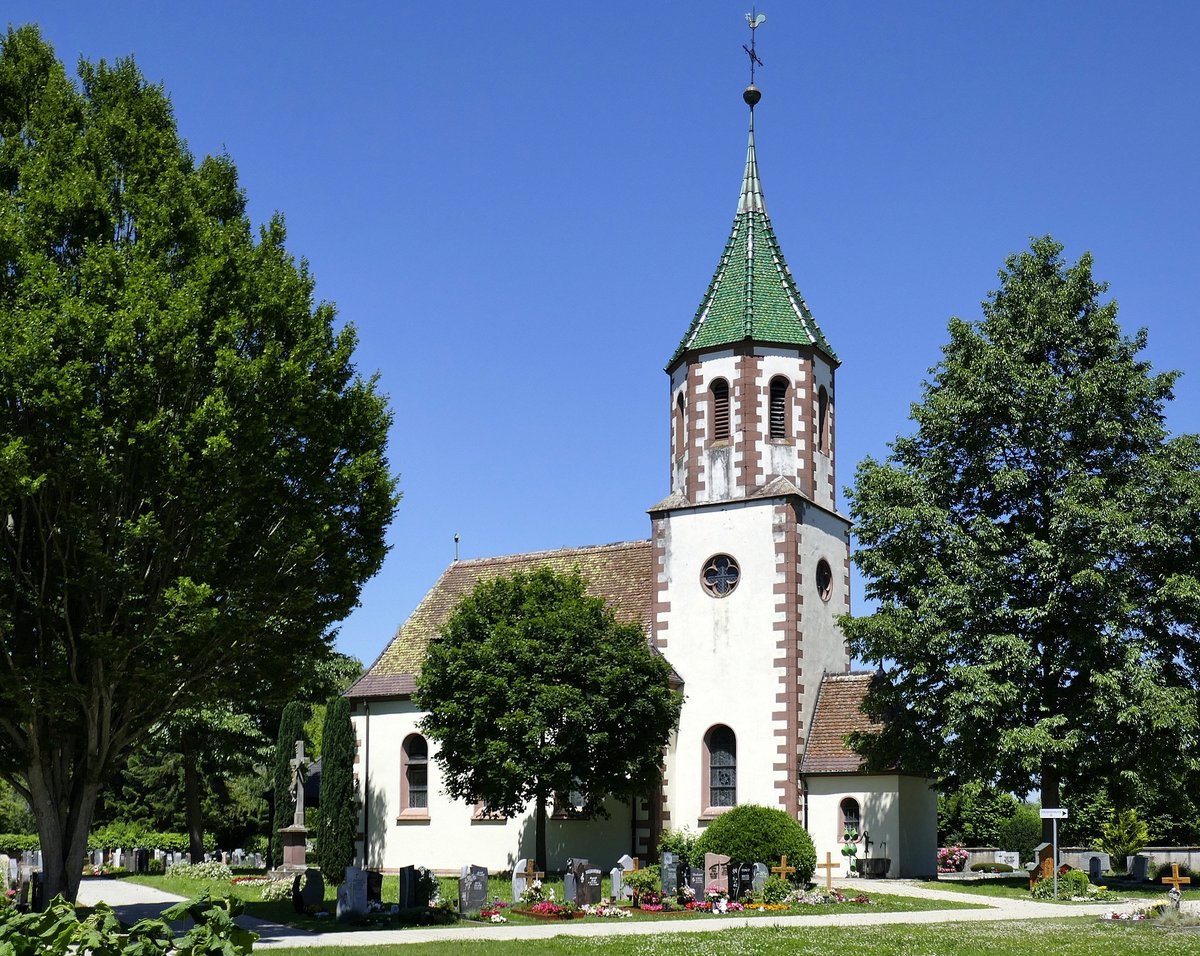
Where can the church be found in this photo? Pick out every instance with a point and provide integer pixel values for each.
(739, 586)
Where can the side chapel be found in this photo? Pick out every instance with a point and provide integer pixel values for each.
(739, 586)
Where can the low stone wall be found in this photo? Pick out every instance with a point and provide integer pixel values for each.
(1183, 855)
(1078, 856)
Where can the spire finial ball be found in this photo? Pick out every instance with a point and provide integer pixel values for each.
(752, 94)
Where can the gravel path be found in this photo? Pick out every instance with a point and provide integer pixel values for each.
(132, 901)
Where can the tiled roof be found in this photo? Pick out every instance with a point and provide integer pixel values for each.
(619, 573)
(837, 714)
(752, 294)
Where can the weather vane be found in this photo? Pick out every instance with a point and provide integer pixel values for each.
(755, 20)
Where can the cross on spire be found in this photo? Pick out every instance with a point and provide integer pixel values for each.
(755, 20)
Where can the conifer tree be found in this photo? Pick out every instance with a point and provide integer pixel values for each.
(291, 729)
(339, 803)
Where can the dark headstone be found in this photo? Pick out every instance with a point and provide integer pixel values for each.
(669, 870)
(1095, 869)
(23, 897)
(573, 878)
(408, 887)
(38, 901)
(741, 879)
(587, 892)
(1139, 868)
(374, 886)
(472, 888)
(308, 889)
(142, 861)
(696, 880)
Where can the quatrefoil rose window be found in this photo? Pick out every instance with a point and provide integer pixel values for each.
(720, 575)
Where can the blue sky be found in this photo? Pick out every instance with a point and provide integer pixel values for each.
(520, 205)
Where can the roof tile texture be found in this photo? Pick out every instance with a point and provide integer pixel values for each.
(838, 713)
(618, 573)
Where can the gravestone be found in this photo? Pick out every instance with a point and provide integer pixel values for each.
(524, 874)
(696, 880)
(669, 871)
(472, 888)
(98, 859)
(308, 889)
(716, 871)
(352, 896)
(22, 896)
(572, 877)
(35, 859)
(37, 901)
(741, 879)
(239, 857)
(617, 883)
(1010, 857)
(760, 878)
(1095, 869)
(588, 890)
(374, 886)
(1139, 868)
(4, 861)
(141, 860)
(407, 879)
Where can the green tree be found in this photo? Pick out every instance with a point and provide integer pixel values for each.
(974, 815)
(1032, 549)
(1122, 836)
(339, 803)
(291, 729)
(534, 689)
(193, 485)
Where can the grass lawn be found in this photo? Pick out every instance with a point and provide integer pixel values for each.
(282, 911)
(1017, 887)
(1063, 937)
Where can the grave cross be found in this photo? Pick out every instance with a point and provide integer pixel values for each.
(299, 765)
(828, 866)
(632, 869)
(1175, 879)
(531, 871)
(783, 869)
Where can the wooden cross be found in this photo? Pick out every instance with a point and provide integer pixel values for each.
(783, 869)
(828, 866)
(1175, 879)
(531, 871)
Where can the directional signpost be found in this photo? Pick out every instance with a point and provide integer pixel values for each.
(1055, 814)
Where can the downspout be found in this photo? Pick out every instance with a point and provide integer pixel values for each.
(367, 786)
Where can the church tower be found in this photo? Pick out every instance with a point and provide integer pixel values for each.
(751, 557)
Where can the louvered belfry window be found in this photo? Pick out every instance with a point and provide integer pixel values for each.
(779, 387)
(720, 408)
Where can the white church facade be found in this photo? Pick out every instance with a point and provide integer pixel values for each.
(739, 587)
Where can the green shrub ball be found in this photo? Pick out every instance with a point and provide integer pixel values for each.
(754, 834)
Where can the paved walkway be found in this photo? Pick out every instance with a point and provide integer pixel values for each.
(132, 901)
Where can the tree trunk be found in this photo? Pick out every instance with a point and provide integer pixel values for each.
(63, 801)
(539, 830)
(191, 797)
(1051, 796)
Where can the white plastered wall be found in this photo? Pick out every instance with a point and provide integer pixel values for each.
(724, 649)
(823, 536)
(450, 837)
(898, 812)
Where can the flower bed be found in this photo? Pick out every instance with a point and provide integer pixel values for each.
(547, 909)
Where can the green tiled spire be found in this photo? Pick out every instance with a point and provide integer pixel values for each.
(752, 294)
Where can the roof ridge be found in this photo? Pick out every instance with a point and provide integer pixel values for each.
(524, 556)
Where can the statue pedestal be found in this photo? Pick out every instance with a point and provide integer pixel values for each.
(295, 844)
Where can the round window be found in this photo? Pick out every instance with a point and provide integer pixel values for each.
(720, 575)
(824, 580)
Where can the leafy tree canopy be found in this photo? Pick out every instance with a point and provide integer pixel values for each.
(193, 485)
(1033, 551)
(534, 689)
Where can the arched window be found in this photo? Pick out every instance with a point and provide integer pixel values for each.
(680, 438)
(720, 409)
(851, 820)
(823, 420)
(720, 759)
(778, 416)
(414, 774)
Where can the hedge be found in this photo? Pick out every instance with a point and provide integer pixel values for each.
(127, 836)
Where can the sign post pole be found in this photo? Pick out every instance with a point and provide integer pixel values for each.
(1054, 814)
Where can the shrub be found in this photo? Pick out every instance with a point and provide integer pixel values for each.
(1124, 835)
(776, 889)
(759, 835)
(682, 843)
(991, 868)
(14, 843)
(276, 890)
(643, 882)
(1072, 883)
(200, 871)
(1164, 869)
(1022, 831)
